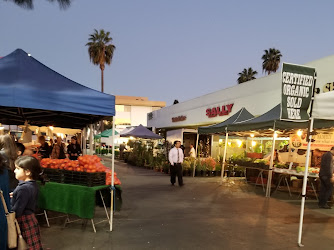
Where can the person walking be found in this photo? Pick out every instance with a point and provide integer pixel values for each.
(122, 147)
(326, 179)
(176, 158)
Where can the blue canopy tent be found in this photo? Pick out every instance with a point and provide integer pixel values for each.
(30, 91)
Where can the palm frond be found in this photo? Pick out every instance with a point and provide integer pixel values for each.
(246, 75)
(29, 4)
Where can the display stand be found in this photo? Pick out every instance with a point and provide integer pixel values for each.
(68, 221)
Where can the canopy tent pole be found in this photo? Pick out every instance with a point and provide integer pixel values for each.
(270, 173)
(300, 230)
(81, 139)
(112, 173)
(224, 159)
(196, 154)
(84, 138)
(307, 163)
(91, 139)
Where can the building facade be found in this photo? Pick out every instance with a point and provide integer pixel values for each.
(257, 96)
(132, 110)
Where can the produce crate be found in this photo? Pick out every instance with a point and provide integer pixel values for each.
(54, 175)
(84, 178)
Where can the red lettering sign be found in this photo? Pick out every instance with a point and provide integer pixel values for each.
(179, 118)
(219, 111)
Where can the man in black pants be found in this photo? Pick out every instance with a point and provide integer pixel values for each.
(326, 175)
(176, 158)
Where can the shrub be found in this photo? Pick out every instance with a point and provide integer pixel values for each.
(209, 163)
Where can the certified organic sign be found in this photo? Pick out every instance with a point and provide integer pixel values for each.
(297, 89)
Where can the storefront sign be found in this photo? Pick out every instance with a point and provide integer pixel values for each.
(323, 142)
(179, 118)
(328, 87)
(297, 89)
(219, 111)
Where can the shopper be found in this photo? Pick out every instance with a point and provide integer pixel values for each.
(7, 145)
(176, 158)
(58, 151)
(73, 149)
(44, 149)
(4, 187)
(20, 148)
(192, 152)
(24, 199)
(122, 147)
(326, 179)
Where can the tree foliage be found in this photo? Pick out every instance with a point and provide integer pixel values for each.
(271, 60)
(100, 50)
(29, 4)
(246, 75)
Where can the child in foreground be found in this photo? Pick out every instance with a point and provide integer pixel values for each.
(24, 199)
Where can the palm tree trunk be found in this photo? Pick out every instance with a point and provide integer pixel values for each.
(102, 81)
(102, 90)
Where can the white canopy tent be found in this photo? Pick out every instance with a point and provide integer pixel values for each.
(323, 107)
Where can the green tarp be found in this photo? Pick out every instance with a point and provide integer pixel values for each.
(69, 199)
(241, 115)
(271, 120)
(105, 133)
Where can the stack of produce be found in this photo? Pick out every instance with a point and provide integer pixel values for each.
(58, 168)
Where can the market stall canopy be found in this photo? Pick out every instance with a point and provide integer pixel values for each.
(105, 133)
(323, 107)
(30, 91)
(128, 129)
(271, 120)
(141, 132)
(241, 115)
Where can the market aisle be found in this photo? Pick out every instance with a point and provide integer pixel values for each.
(200, 215)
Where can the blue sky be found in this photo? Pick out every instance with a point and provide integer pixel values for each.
(166, 50)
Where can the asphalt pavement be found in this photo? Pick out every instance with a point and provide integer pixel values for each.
(200, 215)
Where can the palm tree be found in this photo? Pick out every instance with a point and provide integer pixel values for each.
(271, 60)
(246, 75)
(29, 4)
(100, 50)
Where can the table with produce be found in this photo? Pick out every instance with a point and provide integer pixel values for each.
(73, 185)
(255, 166)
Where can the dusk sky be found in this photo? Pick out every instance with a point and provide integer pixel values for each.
(166, 50)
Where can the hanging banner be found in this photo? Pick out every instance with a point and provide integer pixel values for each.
(297, 88)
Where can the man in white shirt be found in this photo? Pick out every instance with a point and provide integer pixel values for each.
(192, 152)
(176, 158)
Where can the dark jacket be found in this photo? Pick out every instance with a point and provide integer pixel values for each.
(326, 168)
(73, 149)
(45, 150)
(24, 199)
(4, 186)
(12, 180)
